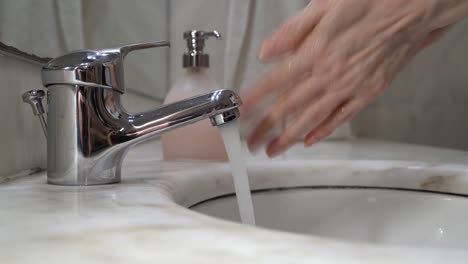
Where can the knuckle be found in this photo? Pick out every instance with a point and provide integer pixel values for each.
(274, 116)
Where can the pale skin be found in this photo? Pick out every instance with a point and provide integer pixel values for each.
(335, 57)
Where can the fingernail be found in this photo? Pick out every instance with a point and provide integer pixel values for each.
(273, 149)
(253, 147)
(254, 151)
(309, 141)
(263, 56)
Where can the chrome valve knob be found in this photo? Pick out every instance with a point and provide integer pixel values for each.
(34, 98)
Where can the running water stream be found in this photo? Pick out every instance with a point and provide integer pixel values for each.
(232, 142)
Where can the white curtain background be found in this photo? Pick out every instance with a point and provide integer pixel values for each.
(46, 28)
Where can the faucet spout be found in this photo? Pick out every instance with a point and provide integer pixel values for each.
(220, 106)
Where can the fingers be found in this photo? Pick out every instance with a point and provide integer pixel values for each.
(340, 116)
(276, 81)
(348, 110)
(292, 32)
(290, 102)
(288, 71)
(313, 115)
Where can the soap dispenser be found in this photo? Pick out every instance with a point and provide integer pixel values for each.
(199, 141)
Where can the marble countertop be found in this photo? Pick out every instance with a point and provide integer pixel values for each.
(144, 218)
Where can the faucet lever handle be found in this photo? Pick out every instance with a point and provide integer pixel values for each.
(93, 68)
(125, 50)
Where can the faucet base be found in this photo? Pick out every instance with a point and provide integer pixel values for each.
(78, 150)
(108, 176)
(62, 183)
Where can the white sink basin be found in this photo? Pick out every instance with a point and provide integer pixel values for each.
(383, 216)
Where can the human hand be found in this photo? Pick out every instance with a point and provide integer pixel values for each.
(335, 57)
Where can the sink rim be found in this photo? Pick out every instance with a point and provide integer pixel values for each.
(327, 187)
(212, 180)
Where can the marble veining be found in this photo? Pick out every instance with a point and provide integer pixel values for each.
(144, 219)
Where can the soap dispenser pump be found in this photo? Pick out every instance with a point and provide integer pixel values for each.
(195, 57)
(199, 141)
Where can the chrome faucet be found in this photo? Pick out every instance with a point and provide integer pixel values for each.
(88, 130)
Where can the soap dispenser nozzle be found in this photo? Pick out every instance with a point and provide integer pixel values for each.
(195, 57)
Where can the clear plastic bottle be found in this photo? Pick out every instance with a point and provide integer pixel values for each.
(198, 141)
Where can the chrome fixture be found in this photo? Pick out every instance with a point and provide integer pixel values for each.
(89, 132)
(34, 98)
(195, 56)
